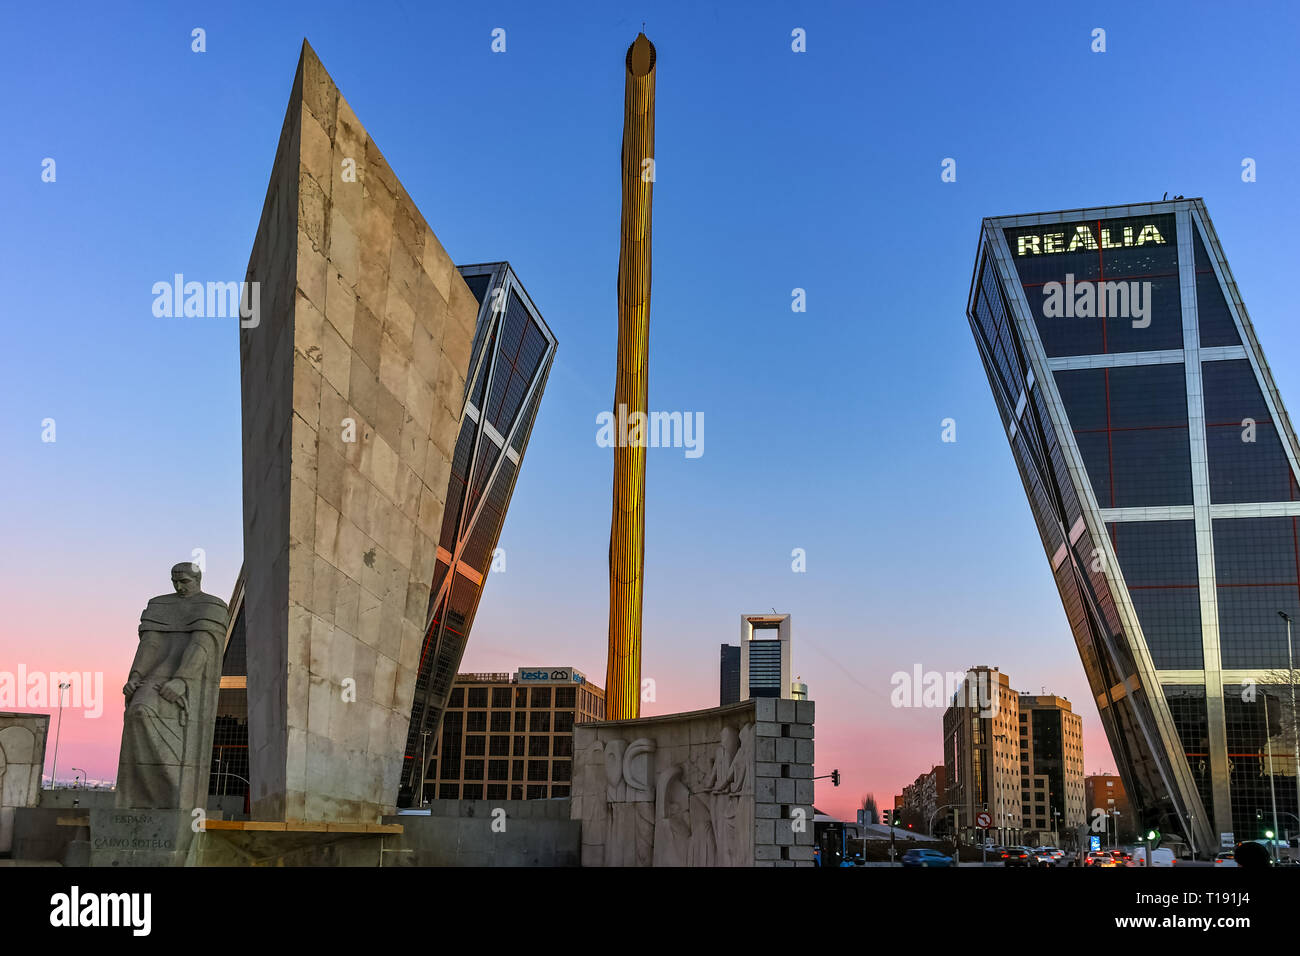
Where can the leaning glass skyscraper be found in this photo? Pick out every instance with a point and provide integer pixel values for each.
(509, 363)
(1162, 471)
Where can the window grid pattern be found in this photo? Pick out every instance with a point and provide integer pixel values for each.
(1257, 574)
(536, 763)
(1110, 328)
(1259, 728)
(1187, 707)
(1159, 564)
(1244, 450)
(1130, 424)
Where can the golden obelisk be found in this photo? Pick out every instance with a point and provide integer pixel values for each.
(627, 529)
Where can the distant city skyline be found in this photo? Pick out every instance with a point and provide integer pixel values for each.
(777, 173)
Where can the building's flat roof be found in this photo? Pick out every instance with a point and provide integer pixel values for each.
(1092, 212)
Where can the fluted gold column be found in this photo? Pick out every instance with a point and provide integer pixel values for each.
(627, 529)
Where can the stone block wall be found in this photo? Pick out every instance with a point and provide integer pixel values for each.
(783, 830)
(729, 786)
(353, 386)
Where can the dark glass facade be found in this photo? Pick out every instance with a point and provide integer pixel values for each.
(1048, 760)
(510, 360)
(1160, 467)
(229, 773)
(729, 674)
(1258, 724)
(764, 668)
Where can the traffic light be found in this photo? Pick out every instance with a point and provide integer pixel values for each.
(835, 777)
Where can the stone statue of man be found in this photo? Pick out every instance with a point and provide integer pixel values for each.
(171, 698)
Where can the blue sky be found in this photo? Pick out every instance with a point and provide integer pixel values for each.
(775, 170)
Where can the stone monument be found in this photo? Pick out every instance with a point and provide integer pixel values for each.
(171, 703)
(171, 698)
(727, 787)
(22, 757)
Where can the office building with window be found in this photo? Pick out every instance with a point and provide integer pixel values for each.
(765, 656)
(1104, 792)
(509, 364)
(729, 675)
(922, 800)
(1161, 469)
(981, 757)
(230, 772)
(509, 736)
(1051, 769)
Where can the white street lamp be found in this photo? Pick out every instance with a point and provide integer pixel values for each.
(1295, 726)
(54, 767)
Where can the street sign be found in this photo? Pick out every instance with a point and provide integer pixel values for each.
(983, 820)
(1226, 839)
(1094, 843)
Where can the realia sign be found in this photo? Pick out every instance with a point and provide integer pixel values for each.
(1083, 237)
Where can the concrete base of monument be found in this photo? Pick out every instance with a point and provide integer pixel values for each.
(140, 837)
(447, 833)
(295, 843)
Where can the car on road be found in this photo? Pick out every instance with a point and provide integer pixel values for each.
(1018, 856)
(1098, 858)
(1044, 857)
(1123, 858)
(1226, 858)
(922, 857)
(1160, 856)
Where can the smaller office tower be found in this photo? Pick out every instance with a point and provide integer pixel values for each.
(729, 675)
(1104, 792)
(509, 736)
(1051, 767)
(765, 669)
(923, 800)
(981, 755)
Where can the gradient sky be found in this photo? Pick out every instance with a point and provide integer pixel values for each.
(775, 170)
